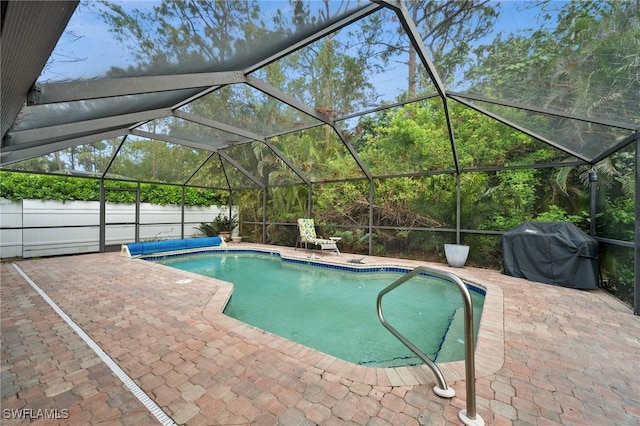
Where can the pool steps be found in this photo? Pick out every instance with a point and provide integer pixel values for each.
(451, 339)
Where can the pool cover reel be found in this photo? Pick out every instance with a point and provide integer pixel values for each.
(137, 249)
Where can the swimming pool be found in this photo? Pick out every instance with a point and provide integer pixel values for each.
(333, 308)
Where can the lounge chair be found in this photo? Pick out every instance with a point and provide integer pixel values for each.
(307, 235)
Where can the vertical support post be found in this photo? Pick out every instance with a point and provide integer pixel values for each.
(103, 218)
(458, 208)
(182, 213)
(138, 213)
(22, 238)
(230, 206)
(310, 201)
(264, 215)
(593, 178)
(636, 285)
(229, 203)
(371, 195)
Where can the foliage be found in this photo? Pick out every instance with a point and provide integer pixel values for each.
(584, 62)
(514, 197)
(18, 186)
(353, 240)
(618, 219)
(219, 224)
(558, 214)
(618, 272)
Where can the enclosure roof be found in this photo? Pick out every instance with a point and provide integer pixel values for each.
(233, 88)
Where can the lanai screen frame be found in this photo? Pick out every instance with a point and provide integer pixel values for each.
(37, 142)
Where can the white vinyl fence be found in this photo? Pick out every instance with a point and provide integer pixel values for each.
(45, 228)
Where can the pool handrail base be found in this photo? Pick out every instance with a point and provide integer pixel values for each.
(442, 389)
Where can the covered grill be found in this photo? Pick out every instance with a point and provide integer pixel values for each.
(551, 252)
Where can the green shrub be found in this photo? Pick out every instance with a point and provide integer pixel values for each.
(23, 186)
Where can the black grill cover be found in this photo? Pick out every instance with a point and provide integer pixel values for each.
(551, 252)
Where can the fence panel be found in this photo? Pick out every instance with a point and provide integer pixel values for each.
(10, 228)
(46, 228)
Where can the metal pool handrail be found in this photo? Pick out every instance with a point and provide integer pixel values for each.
(468, 416)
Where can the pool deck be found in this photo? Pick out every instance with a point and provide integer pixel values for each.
(546, 355)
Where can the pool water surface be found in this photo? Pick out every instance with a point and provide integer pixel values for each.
(334, 310)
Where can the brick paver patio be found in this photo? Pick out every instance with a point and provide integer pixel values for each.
(546, 355)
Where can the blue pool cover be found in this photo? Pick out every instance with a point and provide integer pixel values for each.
(137, 249)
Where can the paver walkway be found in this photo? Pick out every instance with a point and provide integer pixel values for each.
(565, 356)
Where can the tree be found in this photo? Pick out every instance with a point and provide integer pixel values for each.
(448, 29)
(583, 61)
(192, 35)
(330, 74)
(587, 63)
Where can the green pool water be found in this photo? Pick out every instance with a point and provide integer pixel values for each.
(334, 311)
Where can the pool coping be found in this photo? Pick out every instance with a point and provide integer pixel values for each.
(489, 351)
